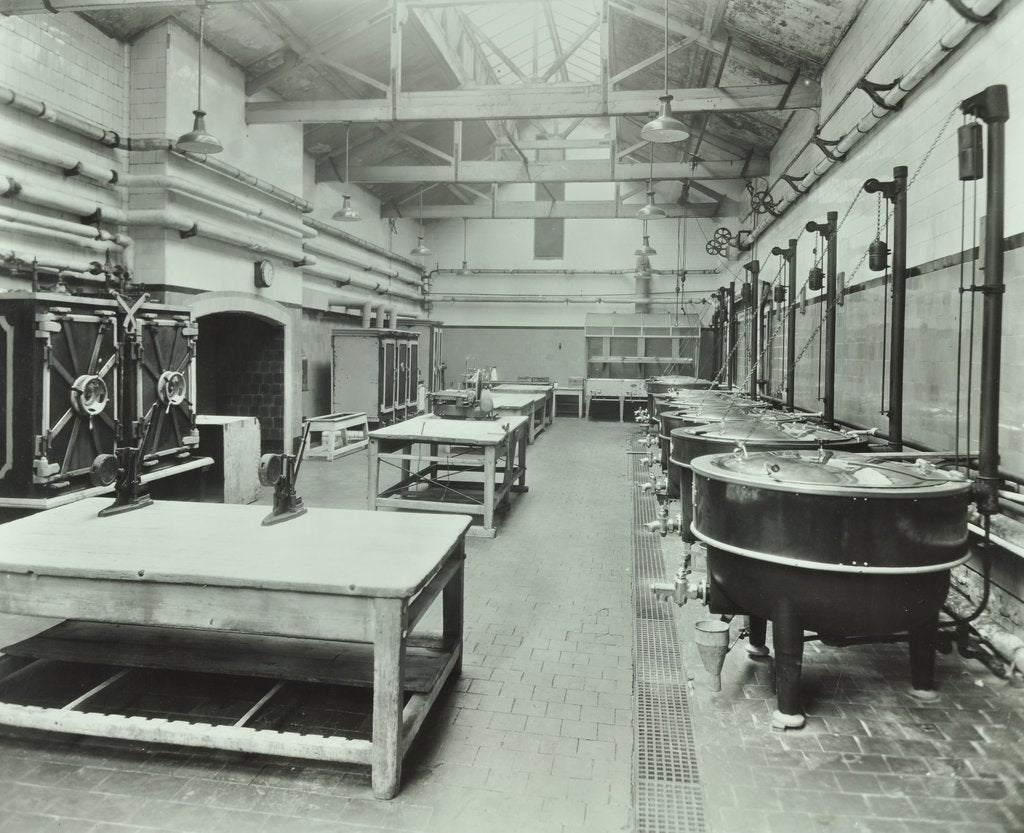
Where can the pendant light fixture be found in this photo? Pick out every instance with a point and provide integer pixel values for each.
(665, 127)
(346, 214)
(198, 140)
(650, 211)
(465, 270)
(646, 249)
(420, 250)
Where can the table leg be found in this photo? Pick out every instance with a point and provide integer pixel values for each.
(554, 407)
(582, 406)
(388, 684)
(521, 440)
(453, 616)
(490, 475)
(373, 476)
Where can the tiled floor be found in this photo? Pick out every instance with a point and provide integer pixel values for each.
(537, 735)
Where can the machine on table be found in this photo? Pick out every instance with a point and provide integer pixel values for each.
(331, 596)
(74, 370)
(471, 465)
(472, 400)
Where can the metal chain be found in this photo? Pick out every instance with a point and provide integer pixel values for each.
(935, 144)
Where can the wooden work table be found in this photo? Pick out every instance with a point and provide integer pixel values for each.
(531, 404)
(477, 452)
(546, 388)
(344, 587)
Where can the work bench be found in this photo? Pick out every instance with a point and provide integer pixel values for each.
(471, 466)
(533, 405)
(331, 596)
(546, 388)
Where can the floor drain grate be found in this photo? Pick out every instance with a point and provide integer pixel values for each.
(668, 796)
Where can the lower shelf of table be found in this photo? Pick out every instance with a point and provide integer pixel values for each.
(221, 652)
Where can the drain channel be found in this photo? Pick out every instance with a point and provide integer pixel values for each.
(668, 796)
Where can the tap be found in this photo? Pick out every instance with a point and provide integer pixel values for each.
(685, 586)
(663, 524)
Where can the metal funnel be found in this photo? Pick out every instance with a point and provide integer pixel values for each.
(712, 636)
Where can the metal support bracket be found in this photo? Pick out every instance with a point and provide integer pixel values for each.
(192, 232)
(970, 14)
(792, 181)
(873, 88)
(986, 289)
(890, 190)
(74, 171)
(94, 219)
(825, 146)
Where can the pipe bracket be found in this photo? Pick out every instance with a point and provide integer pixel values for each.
(873, 88)
(73, 171)
(94, 219)
(13, 189)
(986, 289)
(792, 182)
(825, 146)
(963, 11)
(192, 232)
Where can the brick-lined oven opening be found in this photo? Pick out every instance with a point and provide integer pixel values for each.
(240, 371)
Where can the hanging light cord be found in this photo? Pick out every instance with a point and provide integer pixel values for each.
(199, 94)
(666, 47)
(348, 127)
(465, 236)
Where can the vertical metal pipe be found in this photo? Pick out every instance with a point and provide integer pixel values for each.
(830, 319)
(731, 355)
(791, 329)
(991, 105)
(754, 321)
(899, 305)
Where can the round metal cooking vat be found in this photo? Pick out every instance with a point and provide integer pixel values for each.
(756, 435)
(699, 399)
(831, 543)
(664, 384)
(688, 416)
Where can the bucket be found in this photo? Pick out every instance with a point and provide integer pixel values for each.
(712, 636)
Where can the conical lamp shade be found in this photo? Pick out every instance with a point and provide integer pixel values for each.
(664, 127)
(419, 250)
(347, 214)
(650, 211)
(197, 140)
(646, 250)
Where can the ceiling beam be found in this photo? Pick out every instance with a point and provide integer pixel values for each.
(22, 7)
(482, 38)
(353, 26)
(555, 40)
(576, 170)
(559, 62)
(565, 209)
(646, 62)
(714, 44)
(529, 102)
(436, 36)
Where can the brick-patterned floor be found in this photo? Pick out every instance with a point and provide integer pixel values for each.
(870, 758)
(536, 736)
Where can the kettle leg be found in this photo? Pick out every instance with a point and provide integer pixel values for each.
(922, 660)
(788, 641)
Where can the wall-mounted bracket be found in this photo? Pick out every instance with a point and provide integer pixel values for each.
(792, 182)
(970, 14)
(192, 232)
(93, 219)
(825, 146)
(873, 88)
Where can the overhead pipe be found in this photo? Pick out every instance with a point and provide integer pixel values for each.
(895, 192)
(327, 270)
(175, 220)
(222, 200)
(888, 101)
(36, 194)
(334, 231)
(828, 231)
(112, 139)
(674, 272)
(467, 297)
(320, 248)
(753, 305)
(367, 314)
(69, 165)
(55, 224)
(54, 236)
(991, 105)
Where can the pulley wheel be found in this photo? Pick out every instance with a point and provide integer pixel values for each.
(171, 387)
(104, 470)
(88, 395)
(271, 469)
